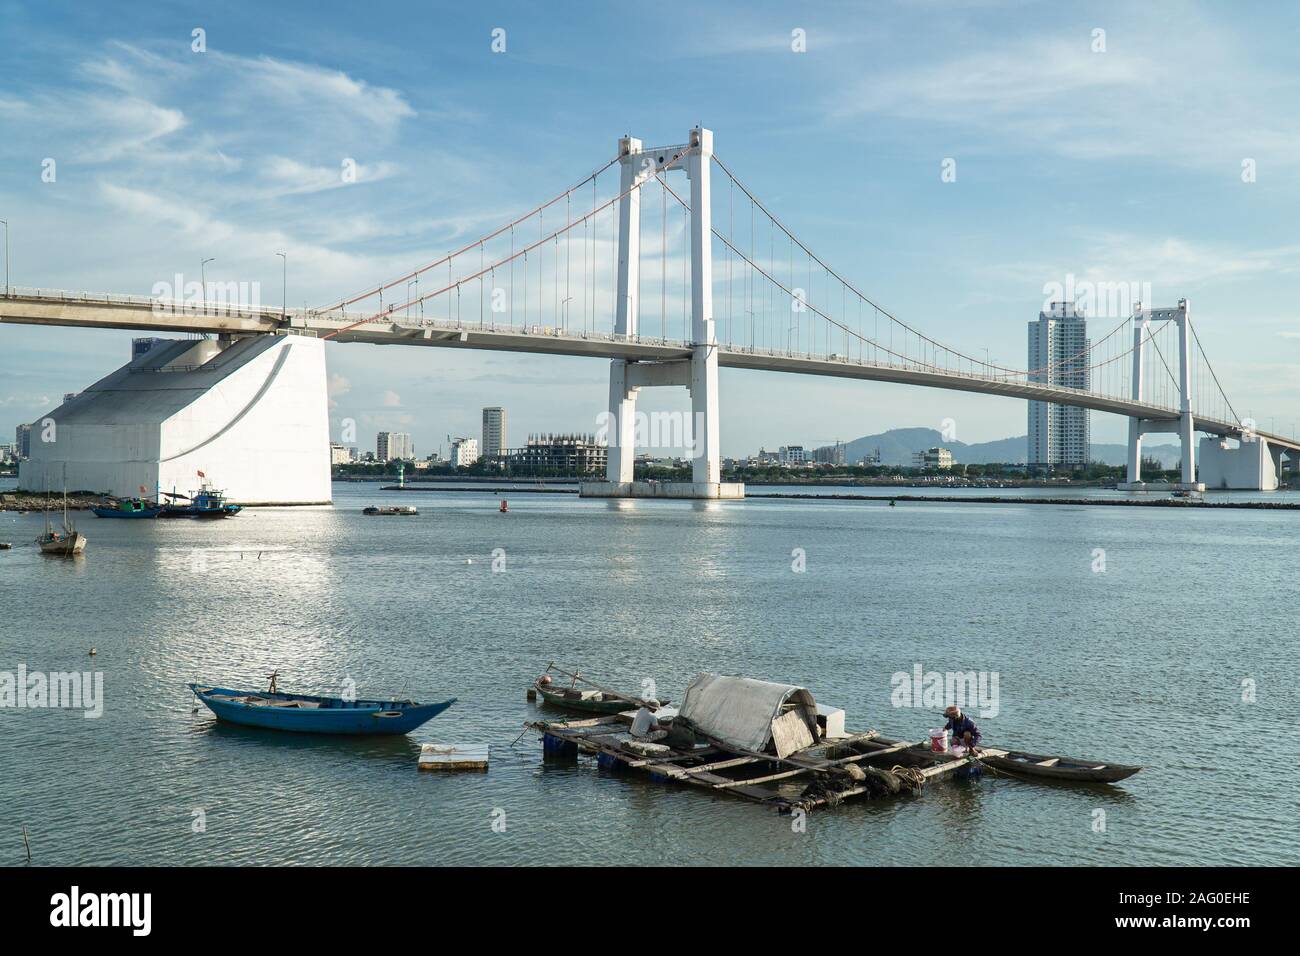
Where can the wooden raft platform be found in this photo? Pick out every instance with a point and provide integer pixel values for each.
(814, 777)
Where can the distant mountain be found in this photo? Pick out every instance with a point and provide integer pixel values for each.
(899, 444)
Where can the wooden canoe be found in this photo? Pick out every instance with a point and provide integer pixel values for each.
(1063, 769)
(589, 702)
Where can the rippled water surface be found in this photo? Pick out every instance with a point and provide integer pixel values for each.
(1142, 663)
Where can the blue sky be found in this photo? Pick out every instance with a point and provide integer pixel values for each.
(1118, 166)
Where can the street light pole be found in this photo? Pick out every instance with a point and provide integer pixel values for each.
(284, 286)
(203, 278)
(5, 223)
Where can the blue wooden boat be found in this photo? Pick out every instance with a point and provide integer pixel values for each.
(303, 713)
(127, 508)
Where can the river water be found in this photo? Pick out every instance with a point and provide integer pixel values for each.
(1161, 637)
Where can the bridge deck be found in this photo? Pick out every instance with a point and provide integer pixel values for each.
(138, 313)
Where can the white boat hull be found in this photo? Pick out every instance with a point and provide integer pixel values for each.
(68, 544)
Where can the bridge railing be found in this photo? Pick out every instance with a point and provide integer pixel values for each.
(172, 306)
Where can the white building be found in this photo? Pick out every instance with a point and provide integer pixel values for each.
(394, 446)
(494, 431)
(1058, 355)
(249, 413)
(933, 458)
(341, 454)
(464, 451)
(793, 455)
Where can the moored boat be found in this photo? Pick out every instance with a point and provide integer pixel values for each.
(306, 713)
(128, 508)
(590, 699)
(587, 701)
(207, 502)
(66, 543)
(1063, 769)
(391, 510)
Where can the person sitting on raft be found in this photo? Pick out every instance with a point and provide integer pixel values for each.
(963, 728)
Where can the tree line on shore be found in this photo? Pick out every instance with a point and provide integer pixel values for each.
(1095, 473)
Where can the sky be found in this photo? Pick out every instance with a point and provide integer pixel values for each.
(1150, 144)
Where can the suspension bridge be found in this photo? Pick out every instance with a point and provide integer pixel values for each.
(671, 280)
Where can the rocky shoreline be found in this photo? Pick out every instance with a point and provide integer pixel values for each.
(24, 501)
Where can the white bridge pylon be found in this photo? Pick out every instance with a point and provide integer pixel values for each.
(1185, 424)
(1253, 463)
(699, 373)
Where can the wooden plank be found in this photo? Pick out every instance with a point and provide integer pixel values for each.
(873, 753)
(722, 764)
(790, 734)
(956, 763)
(753, 781)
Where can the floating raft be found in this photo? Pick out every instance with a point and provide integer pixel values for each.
(816, 776)
(453, 756)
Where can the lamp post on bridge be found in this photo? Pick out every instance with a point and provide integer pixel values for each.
(284, 286)
(203, 279)
(5, 223)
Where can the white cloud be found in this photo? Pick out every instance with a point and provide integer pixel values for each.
(1172, 265)
(289, 176)
(1199, 99)
(316, 89)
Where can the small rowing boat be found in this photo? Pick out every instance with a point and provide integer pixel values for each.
(590, 699)
(583, 699)
(304, 713)
(1063, 769)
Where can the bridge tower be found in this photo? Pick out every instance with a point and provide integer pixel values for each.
(699, 372)
(1185, 424)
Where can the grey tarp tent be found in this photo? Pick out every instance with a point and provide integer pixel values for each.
(738, 712)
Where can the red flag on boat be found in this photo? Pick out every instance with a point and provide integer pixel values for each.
(202, 475)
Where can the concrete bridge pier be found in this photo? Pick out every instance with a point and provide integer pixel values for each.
(1248, 463)
(699, 373)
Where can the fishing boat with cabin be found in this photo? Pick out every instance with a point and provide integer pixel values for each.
(207, 502)
(128, 508)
